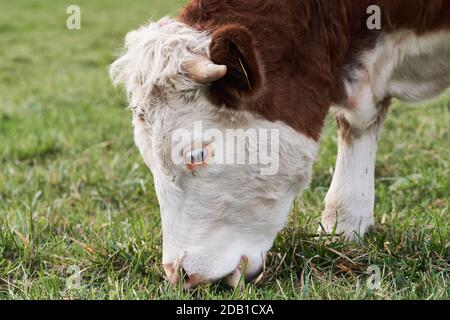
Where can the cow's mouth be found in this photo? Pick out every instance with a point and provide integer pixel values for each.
(240, 276)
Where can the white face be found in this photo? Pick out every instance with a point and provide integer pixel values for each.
(215, 213)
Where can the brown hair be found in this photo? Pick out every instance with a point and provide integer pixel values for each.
(286, 58)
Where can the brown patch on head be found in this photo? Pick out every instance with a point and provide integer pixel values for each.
(303, 48)
(284, 73)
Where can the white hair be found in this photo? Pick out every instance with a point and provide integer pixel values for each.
(152, 60)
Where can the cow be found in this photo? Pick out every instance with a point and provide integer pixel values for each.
(279, 65)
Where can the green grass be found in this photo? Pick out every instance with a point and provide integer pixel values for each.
(74, 191)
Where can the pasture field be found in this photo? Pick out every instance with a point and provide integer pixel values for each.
(75, 194)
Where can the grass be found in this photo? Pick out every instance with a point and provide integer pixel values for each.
(74, 191)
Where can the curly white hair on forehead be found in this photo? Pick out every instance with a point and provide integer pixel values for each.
(153, 58)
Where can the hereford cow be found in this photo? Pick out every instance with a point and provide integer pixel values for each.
(276, 65)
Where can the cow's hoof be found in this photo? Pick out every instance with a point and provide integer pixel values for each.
(352, 227)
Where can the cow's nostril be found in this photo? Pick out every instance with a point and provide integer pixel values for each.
(193, 281)
(172, 273)
(175, 273)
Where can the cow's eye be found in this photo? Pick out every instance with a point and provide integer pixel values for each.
(198, 156)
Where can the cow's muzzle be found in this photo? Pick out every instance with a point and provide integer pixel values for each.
(175, 274)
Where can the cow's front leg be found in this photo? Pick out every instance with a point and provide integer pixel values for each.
(349, 204)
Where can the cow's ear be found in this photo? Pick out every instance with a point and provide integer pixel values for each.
(234, 46)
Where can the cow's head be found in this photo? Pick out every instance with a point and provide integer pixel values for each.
(222, 202)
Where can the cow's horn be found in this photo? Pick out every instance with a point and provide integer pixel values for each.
(203, 70)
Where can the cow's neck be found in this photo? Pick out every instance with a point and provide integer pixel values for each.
(308, 47)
